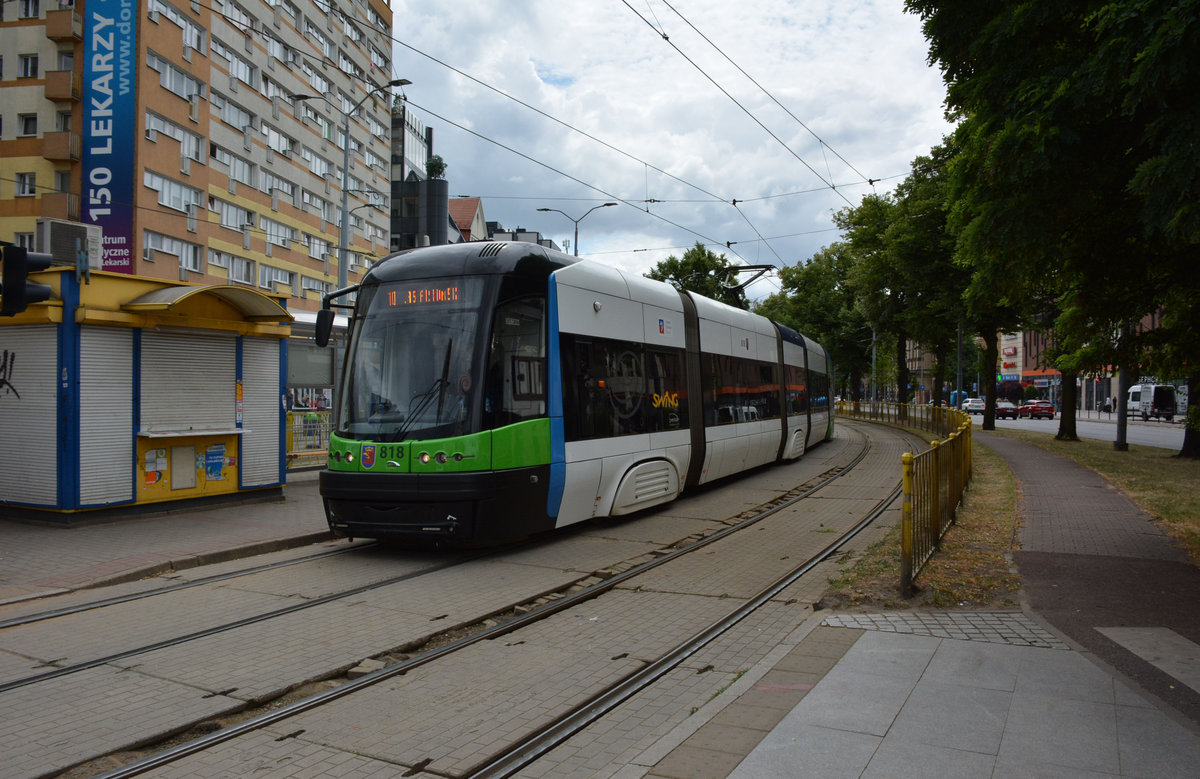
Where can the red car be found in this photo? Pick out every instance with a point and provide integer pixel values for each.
(1005, 410)
(1037, 408)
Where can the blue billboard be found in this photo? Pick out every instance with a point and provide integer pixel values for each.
(110, 124)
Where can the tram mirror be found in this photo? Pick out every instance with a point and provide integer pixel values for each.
(324, 326)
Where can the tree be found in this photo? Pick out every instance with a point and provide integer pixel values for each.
(923, 253)
(816, 301)
(1074, 195)
(435, 167)
(700, 271)
(876, 278)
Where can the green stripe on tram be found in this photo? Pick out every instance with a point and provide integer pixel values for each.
(513, 446)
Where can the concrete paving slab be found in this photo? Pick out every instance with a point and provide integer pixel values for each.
(953, 716)
(1071, 733)
(905, 760)
(805, 750)
(1154, 745)
(978, 664)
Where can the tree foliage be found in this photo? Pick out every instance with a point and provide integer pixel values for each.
(435, 167)
(703, 272)
(1074, 193)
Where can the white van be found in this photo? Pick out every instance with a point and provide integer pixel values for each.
(1152, 400)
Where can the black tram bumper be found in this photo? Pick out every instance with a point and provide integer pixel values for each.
(445, 509)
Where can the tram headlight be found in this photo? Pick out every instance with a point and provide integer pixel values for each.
(424, 458)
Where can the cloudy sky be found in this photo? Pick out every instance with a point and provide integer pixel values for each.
(664, 120)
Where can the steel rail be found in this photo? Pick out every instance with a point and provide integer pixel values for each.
(210, 740)
(119, 599)
(525, 752)
(217, 629)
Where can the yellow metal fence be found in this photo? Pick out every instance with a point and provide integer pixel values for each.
(307, 438)
(933, 480)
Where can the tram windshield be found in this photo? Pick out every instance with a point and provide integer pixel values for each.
(412, 359)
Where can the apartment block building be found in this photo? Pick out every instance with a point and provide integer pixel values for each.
(201, 142)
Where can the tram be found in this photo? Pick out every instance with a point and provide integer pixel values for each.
(492, 391)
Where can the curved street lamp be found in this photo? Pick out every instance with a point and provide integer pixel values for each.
(343, 242)
(580, 219)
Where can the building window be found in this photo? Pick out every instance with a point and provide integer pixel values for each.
(189, 254)
(231, 113)
(24, 240)
(268, 276)
(279, 233)
(241, 270)
(28, 66)
(64, 121)
(231, 216)
(172, 194)
(190, 144)
(269, 181)
(240, 170)
(173, 79)
(307, 283)
(27, 124)
(26, 184)
(317, 247)
(30, 9)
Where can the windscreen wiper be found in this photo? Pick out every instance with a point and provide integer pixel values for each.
(426, 397)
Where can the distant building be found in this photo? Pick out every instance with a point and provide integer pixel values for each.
(420, 205)
(467, 213)
(496, 232)
(199, 143)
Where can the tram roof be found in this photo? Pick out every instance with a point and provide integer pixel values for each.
(478, 257)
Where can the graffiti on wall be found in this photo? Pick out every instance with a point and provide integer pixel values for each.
(7, 360)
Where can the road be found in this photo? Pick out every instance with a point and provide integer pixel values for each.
(1163, 435)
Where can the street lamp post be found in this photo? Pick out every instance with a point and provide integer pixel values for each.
(344, 235)
(577, 221)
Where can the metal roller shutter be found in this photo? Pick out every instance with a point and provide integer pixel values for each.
(106, 451)
(29, 415)
(261, 408)
(188, 381)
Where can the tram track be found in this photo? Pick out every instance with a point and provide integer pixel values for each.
(520, 753)
(64, 611)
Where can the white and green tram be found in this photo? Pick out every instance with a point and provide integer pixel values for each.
(492, 391)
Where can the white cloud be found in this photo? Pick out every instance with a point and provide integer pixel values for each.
(852, 72)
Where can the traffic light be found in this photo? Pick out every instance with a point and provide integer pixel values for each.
(16, 291)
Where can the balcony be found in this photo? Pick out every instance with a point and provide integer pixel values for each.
(64, 24)
(61, 205)
(62, 146)
(62, 85)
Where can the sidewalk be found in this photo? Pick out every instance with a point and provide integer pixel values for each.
(1098, 677)
(42, 559)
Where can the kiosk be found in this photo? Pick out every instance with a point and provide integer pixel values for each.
(127, 391)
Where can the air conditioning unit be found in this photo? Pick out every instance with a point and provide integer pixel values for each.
(58, 237)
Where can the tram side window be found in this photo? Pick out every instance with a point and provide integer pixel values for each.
(615, 388)
(668, 390)
(516, 380)
(797, 390)
(737, 390)
(820, 390)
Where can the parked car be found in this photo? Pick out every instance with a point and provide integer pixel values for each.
(974, 405)
(1036, 408)
(1005, 410)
